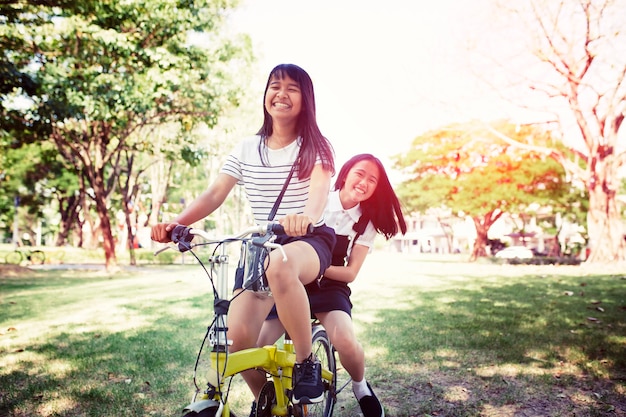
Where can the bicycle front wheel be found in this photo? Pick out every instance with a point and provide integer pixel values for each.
(14, 258)
(325, 354)
(204, 413)
(210, 411)
(37, 257)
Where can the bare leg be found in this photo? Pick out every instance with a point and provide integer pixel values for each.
(340, 330)
(270, 333)
(292, 303)
(255, 380)
(245, 318)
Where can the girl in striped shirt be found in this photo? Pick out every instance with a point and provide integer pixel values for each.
(288, 137)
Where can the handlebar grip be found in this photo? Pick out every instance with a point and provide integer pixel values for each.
(278, 228)
(182, 236)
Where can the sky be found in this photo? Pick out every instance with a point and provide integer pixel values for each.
(384, 72)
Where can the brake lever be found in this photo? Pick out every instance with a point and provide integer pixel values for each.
(277, 246)
(163, 249)
(264, 241)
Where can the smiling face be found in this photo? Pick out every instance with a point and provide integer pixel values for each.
(360, 183)
(283, 98)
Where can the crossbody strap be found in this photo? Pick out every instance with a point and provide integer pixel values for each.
(282, 193)
(359, 228)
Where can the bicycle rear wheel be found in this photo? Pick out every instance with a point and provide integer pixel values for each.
(14, 258)
(37, 257)
(325, 354)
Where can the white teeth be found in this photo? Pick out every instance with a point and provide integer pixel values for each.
(281, 105)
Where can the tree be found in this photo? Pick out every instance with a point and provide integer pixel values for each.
(32, 176)
(18, 176)
(466, 168)
(105, 73)
(570, 55)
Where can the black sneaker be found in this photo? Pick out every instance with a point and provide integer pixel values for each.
(308, 387)
(370, 406)
(253, 409)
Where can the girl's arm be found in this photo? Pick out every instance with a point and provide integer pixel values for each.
(349, 272)
(318, 193)
(205, 204)
(297, 224)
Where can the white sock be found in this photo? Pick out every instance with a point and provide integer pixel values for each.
(360, 389)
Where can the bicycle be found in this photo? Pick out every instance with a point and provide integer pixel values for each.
(36, 257)
(276, 362)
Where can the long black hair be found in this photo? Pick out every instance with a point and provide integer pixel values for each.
(313, 144)
(383, 207)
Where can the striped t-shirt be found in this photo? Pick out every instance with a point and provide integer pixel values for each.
(263, 183)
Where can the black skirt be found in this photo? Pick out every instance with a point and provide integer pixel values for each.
(326, 294)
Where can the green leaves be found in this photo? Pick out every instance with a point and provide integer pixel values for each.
(104, 76)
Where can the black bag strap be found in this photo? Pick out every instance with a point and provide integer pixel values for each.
(359, 226)
(282, 193)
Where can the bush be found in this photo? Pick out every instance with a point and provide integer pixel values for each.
(540, 260)
(146, 256)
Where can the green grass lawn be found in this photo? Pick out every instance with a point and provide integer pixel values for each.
(442, 338)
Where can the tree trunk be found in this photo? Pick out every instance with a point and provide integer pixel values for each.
(481, 240)
(68, 209)
(132, 234)
(483, 224)
(606, 235)
(108, 243)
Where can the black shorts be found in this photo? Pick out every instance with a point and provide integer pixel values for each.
(325, 295)
(323, 241)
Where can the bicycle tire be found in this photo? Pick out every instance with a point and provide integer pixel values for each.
(209, 412)
(37, 257)
(325, 354)
(14, 257)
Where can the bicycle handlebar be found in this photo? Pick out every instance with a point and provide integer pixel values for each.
(183, 235)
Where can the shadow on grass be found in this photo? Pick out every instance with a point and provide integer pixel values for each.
(506, 346)
(137, 372)
(440, 344)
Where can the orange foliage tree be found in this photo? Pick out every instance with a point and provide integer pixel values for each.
(468, 169)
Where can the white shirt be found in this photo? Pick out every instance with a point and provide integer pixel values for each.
(342, 221)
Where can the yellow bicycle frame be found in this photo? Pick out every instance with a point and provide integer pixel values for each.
(277, 362)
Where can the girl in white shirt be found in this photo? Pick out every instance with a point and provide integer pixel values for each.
(362, 205)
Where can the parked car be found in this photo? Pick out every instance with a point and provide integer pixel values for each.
(512, 252)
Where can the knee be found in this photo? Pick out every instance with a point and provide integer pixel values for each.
(281, 279)
(346, 344)
(241, 337)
